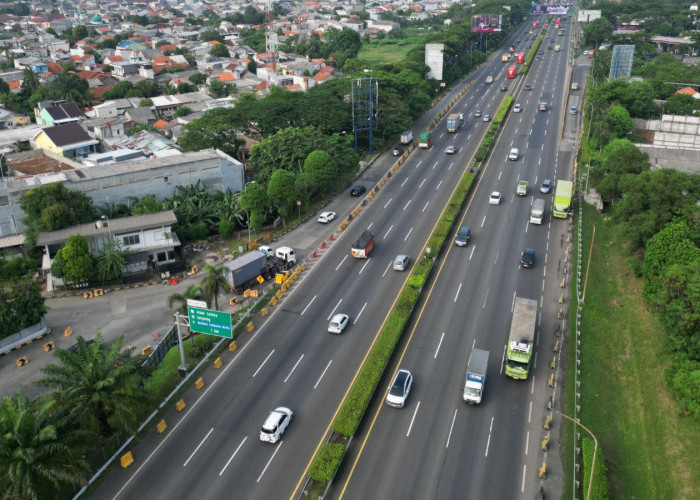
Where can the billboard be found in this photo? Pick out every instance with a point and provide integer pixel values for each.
(548, 9)
(486, 24)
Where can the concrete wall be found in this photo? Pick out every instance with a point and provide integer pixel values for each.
(682, 160)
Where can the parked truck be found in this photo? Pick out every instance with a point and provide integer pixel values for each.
(363, 246)
(537, 212)
(454, 121)
(425, 139)
(562, 199)
(406, 137)
(476, 376)
(243, 270)
(521, 341)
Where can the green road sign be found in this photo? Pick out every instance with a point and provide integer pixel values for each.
(210, 322)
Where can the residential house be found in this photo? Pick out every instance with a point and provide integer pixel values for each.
(36, 64)
(150, 239)
(69, 140)
(57, 113)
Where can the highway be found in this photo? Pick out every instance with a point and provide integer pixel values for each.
(213, 450)
(437, 446)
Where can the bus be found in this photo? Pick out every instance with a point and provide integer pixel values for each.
(511, 72)
(520, 58)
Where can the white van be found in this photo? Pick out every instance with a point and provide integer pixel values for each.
(513, 154)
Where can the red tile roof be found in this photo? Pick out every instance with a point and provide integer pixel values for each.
(160, 124)
(15, 84)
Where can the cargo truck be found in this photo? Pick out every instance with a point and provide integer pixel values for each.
(543, 106)
(476, 377)
(511, 72)
(562, 199)
(363, 246)
(504, 58)
(454, 121)
(557, 48)
(489, 80)
(406, 137)
(425, 140)
(537, 212)
(245, 269)
(521, 341)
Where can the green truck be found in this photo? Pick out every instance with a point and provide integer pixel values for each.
(562, 199)
(424, 140)
(521, 341)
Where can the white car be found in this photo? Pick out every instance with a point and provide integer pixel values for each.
(486, 118)
(495, 198)
(338, 323)
(275, 424)
(451, 150)
(326, 217)
(399, 389)
(517, 108)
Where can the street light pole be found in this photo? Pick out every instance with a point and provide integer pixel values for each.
(595, 449)
(248, 213)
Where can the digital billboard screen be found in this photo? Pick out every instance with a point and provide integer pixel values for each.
(486, 24)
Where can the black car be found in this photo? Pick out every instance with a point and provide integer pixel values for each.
(504, 88)
(527, 87)
(527, 258)
(358, 191)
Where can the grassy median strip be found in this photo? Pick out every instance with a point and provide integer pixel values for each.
(650, 450)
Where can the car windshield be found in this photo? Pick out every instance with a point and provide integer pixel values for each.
(397, 389)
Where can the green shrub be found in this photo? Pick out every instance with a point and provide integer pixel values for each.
(327, 462)
(225, 228)
(683, 377)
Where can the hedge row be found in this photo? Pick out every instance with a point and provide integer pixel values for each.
(599, 485)
(493, 130)
(353, 409)
(327, 462)
(531, 55)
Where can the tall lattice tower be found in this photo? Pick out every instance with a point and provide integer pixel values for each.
(365, 105)
(270, 33)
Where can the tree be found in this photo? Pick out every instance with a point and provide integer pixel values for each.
(620, 122)
(219, 50)
(30, 82)
(99, 386)
(148, 205)
(111, 261)
(681, 104)
(620, 157)
(68, 86)
(256, 202)
(215, 129)
(287, 149)
(4, 87)
(37, 456)
(597, 31)
(145, 102)
(210, 35)
(119, 91)
(320, 171)
(214, 283)
(197, 78)
(282, 192)
(73, 262)
(39, 201)
(179, 300)
(21, 305)
(678, 296)
(183, 111)
(219, 89)
(252, 66)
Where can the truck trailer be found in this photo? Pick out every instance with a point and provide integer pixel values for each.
(406, 137)
(562, 199)
(425, 140)
(363, 246)
(241, 271)
(476, 377)
(521, 341)
(454, 121)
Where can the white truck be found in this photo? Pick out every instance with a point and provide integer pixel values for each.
(537, 212)
(476, 376)
(406, 137)
(489, 80)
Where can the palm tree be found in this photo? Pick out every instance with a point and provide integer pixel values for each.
(214, 283)
(98, 386)
(180, 299)
(36, 457)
